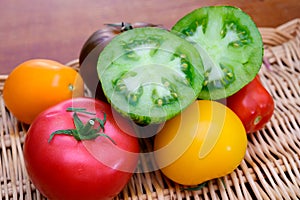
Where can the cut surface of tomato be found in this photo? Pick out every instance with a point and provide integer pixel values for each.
(150, 74)
(230, 45)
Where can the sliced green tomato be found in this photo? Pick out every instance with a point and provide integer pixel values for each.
(230, 45)
(150, 74)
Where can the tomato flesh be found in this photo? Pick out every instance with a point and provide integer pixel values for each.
(150, 74)
(230, 45)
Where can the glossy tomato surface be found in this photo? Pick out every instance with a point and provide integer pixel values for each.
(206, 141)
(253, 104)
(38, 84)
(65, 168)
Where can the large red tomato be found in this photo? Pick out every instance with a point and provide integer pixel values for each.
(75, 150)
(253, 104)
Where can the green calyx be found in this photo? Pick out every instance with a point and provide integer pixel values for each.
(88, 131)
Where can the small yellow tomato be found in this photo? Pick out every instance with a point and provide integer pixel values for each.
(38, 84)
(206, 141)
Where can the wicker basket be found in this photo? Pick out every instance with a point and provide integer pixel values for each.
(270, 169)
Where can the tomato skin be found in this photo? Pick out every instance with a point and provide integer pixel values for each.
(65, 168)
(253, 104)
(37, 84)
(206, 141)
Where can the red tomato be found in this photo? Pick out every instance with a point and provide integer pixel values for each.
(68, 165)
(253, 104)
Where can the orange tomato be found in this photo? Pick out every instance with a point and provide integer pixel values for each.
(38, 84)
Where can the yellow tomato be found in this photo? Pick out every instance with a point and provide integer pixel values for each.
(37, 84)
(206, 141)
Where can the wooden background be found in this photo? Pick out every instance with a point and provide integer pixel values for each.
(57, 29)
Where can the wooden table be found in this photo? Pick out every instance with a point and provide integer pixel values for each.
(57, 29)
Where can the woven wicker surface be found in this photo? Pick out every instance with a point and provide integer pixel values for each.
(270, 169)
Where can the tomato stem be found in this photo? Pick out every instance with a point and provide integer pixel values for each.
(257, 120)
(123, 26)
(71, 87)
(84, 131)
